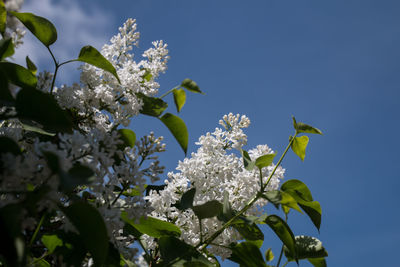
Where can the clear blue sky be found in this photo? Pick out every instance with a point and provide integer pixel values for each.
(332, 64)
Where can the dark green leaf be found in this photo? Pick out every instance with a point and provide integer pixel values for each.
(41, 262)
(52, 161)
(30, 65)
(90, 55)
(128, 137)
(191, 86)
(43, 29)
(9, 146)
(6, 48)
(179, 98)
(318, 262)
(77, 175)
(152, 226)
(307, 247)
(186, 201)
(51, 242)
(113, 256)
(313, 210)
(279, 197)
(208, 210)
(269, 256)
(282, 230)
(265, 160)
(298, 188)
(248, 229)
(247, 254)
(42, 108)
(152, 106)
(6, 98)
(304, 128)
(178, 129)
(299, 146)
(3, 18)
(247, 162)
(92, 229)
(227, 212)
(18, 75)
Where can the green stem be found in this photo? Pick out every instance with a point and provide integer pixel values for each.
(170, 91)
(55, 70)
(37, 230)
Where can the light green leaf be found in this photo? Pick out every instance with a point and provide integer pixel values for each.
(179, 98)
(178, 129)
(265, 160)
(283, 231)
(152, 226)
(43, 29)
(92, 229)
(191, 86)
(152, 106)
(280, 197)
(43, 108)
(6, 48)
(304, 128)
(269, 256)
(128, 137)
(31, 128)
(18, 75)
(298, 188)
(307, 248)
(90, 55)
(30, 65)
(318, 262)
(3, 18)
(247, 162)
(299, 146)
(51, 242)
(208, 210)
(247, 254)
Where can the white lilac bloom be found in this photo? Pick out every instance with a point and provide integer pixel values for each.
(212, 170)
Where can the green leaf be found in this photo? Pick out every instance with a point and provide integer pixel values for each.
(30, 65)
(186, 201)
(32, 128)
(43, 29)
(247, 254)
(307, 247)
(92, 229)
(304, 128)
(42, 108)
(3, 18)
(277, 197)
(77, 175)
(191, 86)
(6, 98)
(8, 145)
(208, 210)
(128, 137)
(41, 262)
(179, 98)
(227, 212)
(152, 106)
(248, 229)
(247, 162)
(299, 146)
(265, 160)
(269, 256)
(282, 230)
(300, 192)
(318, 262)
(51, 242)
(18, 75)
(178, 129)
(90, 55)
(152, 226)
(6, 48)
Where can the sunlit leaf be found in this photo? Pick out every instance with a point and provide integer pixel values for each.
(269, 256)
(90, 55)
(265, 160)
(18, 75)
(304, 128)
(30, 65)
(299, 146)
(152, 226)
(277, 197)
(283, 231)
(51, 242)
(191, 86)
(6, 48)
(3, 18)
(208, 210)
(43, 29)
(179, 98)
(128, 137)
(92, 229)
(178, 129)
(152, 106)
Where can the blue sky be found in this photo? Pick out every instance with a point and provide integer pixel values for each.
(332, 64)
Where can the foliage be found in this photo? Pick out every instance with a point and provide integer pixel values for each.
(76, 184)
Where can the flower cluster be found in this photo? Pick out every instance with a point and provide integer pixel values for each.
(213, 171)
